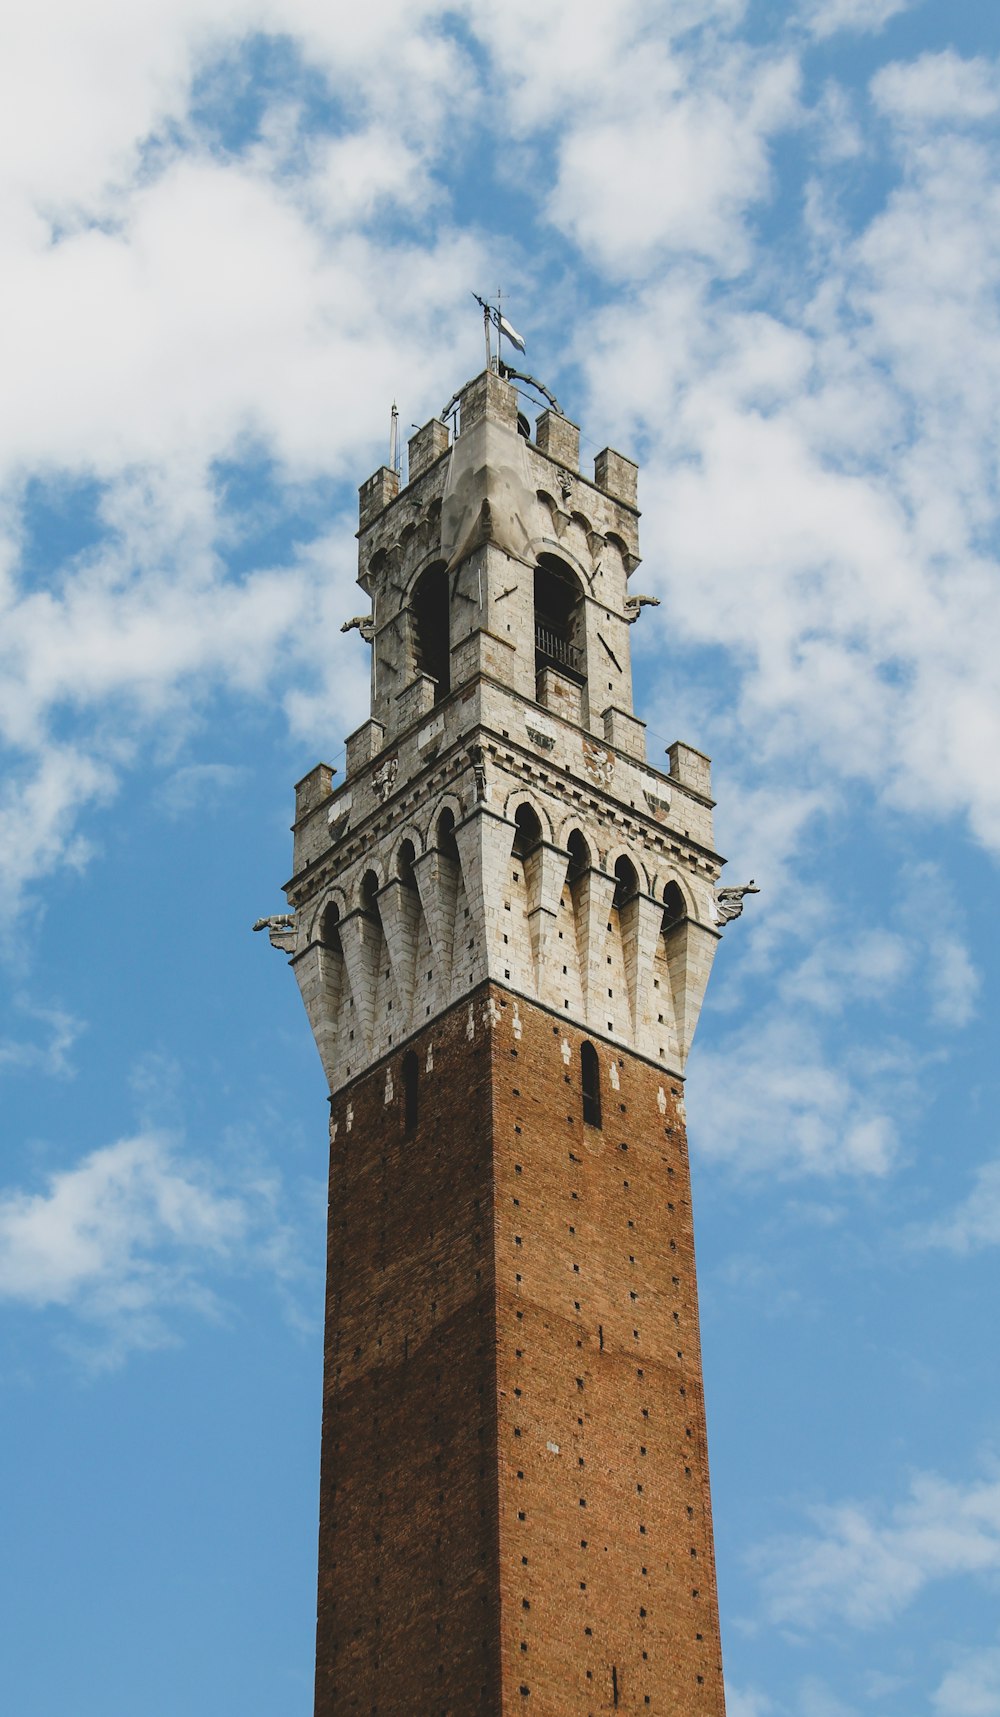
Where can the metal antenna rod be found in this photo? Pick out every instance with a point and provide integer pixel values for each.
(394, 438)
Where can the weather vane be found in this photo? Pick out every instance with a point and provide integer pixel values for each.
(493, 315)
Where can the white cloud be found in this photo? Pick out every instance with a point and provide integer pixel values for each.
(864, 1564)
(90, 1236)
(972, 1687)
(974, 1223)
(196, 305)
(676, 174)
(136, 1234)
(937, 87)
(825, 474)
(827, 17)
(817, 1699)
(745, 1702)
(52, 1057)
(197, 785)
(772, 1098)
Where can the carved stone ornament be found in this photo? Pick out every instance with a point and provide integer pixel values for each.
(280, 927)
(599, 763)
(364, 623)
(729, 901)
(634, 604)
(384, 778)
(477, 758)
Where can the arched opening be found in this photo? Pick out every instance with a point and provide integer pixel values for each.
(369, 889)
(446, 834)
(528, 831)
(410, 1074)
(431, 633)
(558, 618)
(404, 864)
(590, 1085)
(674, 906)
(579, 856)
(626, 882)
(329, 931)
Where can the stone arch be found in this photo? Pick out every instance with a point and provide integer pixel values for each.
(628, 881)
(528, 830)
(581, 851)
(408, 832)
(448, 802)
(373, 867)
(559, 597)
(337, 899)
(615, 854)
(403, 862)
(676, 902)
(429, 604)
(518, 797)
(368, 889)
(558, 547)
(550, 504)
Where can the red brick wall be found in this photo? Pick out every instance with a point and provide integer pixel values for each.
(407, 1554)
(514, 1505)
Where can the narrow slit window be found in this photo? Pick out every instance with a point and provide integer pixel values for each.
(590, 1083)
(411, 1075)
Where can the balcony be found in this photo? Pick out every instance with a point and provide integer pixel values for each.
(554, 651)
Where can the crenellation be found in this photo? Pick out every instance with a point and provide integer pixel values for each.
(376, 493)
(313, 790)
(559, 439)
(428, 445)
(617, 475)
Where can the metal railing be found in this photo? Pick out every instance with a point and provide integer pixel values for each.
(557, 650)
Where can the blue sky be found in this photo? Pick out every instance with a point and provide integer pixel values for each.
(755, 245)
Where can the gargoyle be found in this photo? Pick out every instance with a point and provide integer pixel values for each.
(365, 624)
(729, 901)
(280, 929)
(634, 603)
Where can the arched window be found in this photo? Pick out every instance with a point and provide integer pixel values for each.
(579, 856)
(528, 833)
(558, 612)
(431, 633)
(626, 882)
(404, 864)
(329, 932)
(674, 905)
(446, 834)
(369, 889)
(590, 1084)
(410, 1077)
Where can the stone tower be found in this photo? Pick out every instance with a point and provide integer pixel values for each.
(502, 923)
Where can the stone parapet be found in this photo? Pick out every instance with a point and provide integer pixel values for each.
(314, 789)
(426, 446)
(617, 475)
(690, 767)
(558, 439)
(375, 494)
(487, 396)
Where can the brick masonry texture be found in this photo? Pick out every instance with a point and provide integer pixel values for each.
(515, 1510)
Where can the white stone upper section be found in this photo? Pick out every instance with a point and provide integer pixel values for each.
(499, 819)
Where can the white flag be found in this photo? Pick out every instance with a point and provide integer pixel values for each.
(511, 333)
